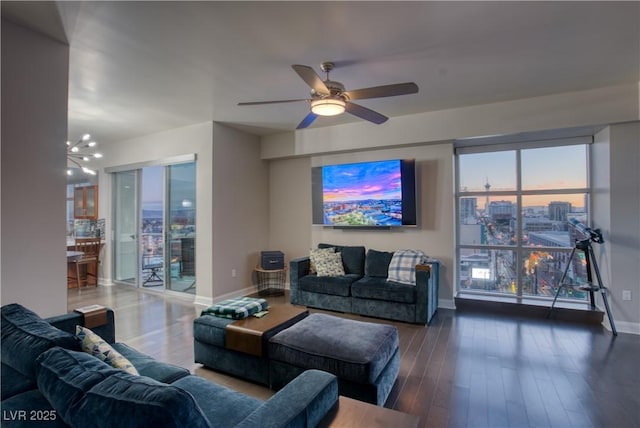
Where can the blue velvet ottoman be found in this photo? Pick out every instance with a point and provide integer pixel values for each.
(211, 344)
(364, 356)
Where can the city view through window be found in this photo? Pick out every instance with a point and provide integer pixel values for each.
(514, 212)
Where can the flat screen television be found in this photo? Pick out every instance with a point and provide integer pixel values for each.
(365, 194)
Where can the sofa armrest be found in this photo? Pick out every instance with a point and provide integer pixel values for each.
(297, 269)
(427, 291)
(303, 402)
(68, 322)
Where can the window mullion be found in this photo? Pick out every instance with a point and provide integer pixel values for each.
(519, 230)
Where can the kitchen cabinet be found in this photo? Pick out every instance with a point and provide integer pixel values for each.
(85, 202)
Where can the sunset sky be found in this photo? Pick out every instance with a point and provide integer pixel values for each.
(542, 169)
(359, 181)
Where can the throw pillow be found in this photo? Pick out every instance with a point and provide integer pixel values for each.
(93, 344)
(402, 268)
(318, 253)
(377, 263)
(330, 265)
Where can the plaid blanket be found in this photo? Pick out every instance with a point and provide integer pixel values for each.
(238, 308)
(402, 268)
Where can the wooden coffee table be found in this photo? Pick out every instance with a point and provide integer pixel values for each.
(353, 413)
(250, 335)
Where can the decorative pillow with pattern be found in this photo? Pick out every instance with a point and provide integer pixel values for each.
(330, 264)
(402, 268)
(93, 344)
(316, 253)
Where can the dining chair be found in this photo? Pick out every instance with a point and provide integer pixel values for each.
(86, 266)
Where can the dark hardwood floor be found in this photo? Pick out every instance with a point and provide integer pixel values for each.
(464, 370)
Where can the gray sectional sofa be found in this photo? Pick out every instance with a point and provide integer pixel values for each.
(48, 381)
(364, 288)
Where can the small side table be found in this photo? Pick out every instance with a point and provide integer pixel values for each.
(270, 282)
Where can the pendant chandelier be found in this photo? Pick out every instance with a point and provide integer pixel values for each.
(81, 152)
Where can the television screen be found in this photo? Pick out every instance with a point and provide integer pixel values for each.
(372, 194)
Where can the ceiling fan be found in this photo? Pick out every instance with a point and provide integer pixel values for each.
(329, 98)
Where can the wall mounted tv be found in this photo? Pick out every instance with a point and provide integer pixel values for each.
(366, 194)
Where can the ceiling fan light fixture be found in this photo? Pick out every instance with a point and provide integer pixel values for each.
(328, 106)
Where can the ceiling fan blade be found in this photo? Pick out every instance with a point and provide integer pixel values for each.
(383, 91)
(255, 103)
(365, 113)
(312, 79)
(308, 120)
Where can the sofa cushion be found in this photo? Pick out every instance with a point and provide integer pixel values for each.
(333, 285)
(377, 263)
(403, 266)
(125, 400)
(381, 289)
(230, 406)
(150, 367)
(25, 336)
(65, 376)
(94, 345)
(352, 257)
(329, 264)
(13, 382)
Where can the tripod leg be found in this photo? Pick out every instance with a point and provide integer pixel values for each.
(564, 275)
(587, 258)
(603, 291)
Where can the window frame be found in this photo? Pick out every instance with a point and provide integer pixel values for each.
(464, 147)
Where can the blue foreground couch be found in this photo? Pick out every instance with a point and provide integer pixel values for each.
(48, 381)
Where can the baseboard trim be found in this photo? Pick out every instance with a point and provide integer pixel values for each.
(623, 326)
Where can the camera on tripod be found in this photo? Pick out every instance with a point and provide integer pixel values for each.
(593, 234)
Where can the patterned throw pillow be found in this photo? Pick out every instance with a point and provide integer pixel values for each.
(93, 344)
(402, 268)
(316, 253)
(330, 264)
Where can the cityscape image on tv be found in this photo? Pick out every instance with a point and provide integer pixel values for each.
(362, 194)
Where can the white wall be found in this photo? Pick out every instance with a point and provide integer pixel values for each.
(34, 132)
(240, 209)
(616, 211)
(290, 206)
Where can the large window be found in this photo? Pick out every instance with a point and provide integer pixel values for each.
(514, 204)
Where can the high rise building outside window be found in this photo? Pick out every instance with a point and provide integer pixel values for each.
(514, 204)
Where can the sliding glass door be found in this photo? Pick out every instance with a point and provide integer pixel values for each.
(181, 230)
(125, 227)
(155, 228)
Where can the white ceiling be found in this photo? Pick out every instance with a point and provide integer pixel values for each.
(143, 67)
